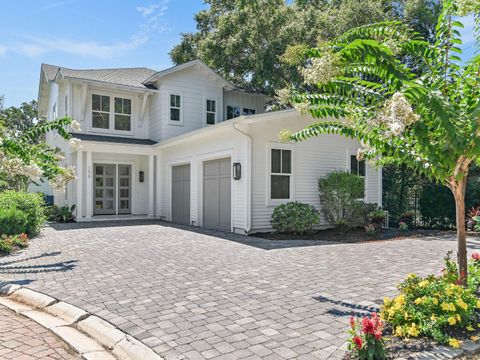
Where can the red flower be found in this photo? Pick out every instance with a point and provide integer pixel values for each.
(23, 236)
(358, 341)
(378, 335)
(352, 322)
(476, 256)
(368, 326)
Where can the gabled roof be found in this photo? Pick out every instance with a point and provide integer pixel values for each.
(132, 77)
(187, 65)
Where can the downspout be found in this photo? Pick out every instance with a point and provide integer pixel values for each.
(248, 212)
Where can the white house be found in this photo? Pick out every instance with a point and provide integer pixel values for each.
(186, 146)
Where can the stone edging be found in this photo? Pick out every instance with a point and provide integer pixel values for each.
(92, 337)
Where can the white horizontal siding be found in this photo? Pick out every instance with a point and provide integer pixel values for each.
(243, 100)
(313, 159)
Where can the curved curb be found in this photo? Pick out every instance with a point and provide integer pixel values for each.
(92, 337)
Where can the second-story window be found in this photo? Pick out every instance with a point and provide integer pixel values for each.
(233, 112)
(211, 110)
(123, 114)
(247, 111)
(100, 111)
(175, 104)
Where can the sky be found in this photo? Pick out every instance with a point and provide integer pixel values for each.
(86, 34)
(95, 34)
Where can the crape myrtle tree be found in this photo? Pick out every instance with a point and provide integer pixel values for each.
(26, 158)
(407, 100)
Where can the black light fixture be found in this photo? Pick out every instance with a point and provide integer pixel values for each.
(237, 171)
(141, 176)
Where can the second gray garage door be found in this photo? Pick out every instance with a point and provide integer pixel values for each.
(217, 194)
(181, 194)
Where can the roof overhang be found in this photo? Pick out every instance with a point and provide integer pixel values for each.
(109, 85)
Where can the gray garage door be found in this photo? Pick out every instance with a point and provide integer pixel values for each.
(217, 194)
(181, 194)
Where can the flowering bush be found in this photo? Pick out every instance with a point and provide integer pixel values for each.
(366, 337)
(294, 217)
(434, 306)
(403, 227)
(9, 243)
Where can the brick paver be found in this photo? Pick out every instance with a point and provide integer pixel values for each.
(208, 295)
(24, 339)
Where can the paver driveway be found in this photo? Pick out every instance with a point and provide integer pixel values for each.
(203, 295)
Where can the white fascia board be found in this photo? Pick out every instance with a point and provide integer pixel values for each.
(117, 148)
(110, 85)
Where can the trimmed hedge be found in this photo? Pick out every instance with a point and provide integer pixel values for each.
(21, 212)
(295, 217)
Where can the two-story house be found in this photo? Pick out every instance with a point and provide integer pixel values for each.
(186, 146)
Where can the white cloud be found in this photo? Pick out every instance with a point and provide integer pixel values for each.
(58, 4)
(3, 49)
(35, 46)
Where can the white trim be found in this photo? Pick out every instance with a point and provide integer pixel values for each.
(151, 166)
(276, 145)
(353, 152)
(168, 107)
(79, 171)
(90, 187)
(111, 119)
(206, 112)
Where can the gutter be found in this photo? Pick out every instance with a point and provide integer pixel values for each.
(248, 210)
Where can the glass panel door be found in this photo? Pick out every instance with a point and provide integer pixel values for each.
(104, 189)
(124, 189)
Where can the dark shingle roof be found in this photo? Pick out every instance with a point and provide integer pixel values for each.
(133, 77)
(113, 139)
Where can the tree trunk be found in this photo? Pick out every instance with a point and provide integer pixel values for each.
(459, 195)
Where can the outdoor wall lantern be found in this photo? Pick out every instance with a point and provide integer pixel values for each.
(237, 171)
(141, 176)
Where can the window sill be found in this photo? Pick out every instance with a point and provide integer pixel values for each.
(277, 202)
(175, 123)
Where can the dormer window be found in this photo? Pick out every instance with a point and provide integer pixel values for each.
(211, 112)
(175, 106)
(123, 114)
(233, 111)
(100, 111)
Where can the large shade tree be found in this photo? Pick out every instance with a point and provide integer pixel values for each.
(407, 100)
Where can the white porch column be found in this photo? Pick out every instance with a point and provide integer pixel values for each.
(79, 204)
(158, 186)
(151, 169)
(89, 191)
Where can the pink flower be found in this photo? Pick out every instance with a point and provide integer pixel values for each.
(378, 335)
(358, 341)
(368, 326)
(352, 322)
(476, 256)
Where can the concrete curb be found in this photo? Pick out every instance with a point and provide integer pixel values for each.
(92, 337)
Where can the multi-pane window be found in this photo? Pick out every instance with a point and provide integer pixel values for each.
(247, 111)
(357, 167)
(100, 111)
(175, 104)
(233, 112)
(211, 110)
(280, 173)
(123, 114)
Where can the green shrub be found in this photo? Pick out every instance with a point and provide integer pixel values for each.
(340, 192)
(408, 218)
(5, 248)
(32, 205)
(294, 217)
(13, 221)
(435, 306)
(60, 214)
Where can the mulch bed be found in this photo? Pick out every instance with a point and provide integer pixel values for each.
(353, 236)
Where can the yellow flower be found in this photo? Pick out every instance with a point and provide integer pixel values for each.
(387, 301)
(448, 307)
(433, 318)
(399, 331)
(462, 304)
(413, 330)
(406, 315)
(435, 301)
(454, 343)
(452, 320)
(423, 283)
(418, 301)
(400, 300)
(449, 292)
(470, 328)
(411, 276)
(474, 338)
(478, 303)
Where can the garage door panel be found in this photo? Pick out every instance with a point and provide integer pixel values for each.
(181, 194)
(217, 194)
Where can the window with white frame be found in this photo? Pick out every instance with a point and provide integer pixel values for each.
(66, 105)
(280, 174)
(247, 111)
(123, 114)
(233, 111)
(175, 107)
(211, 112)
(100, 111)
(357, 167)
